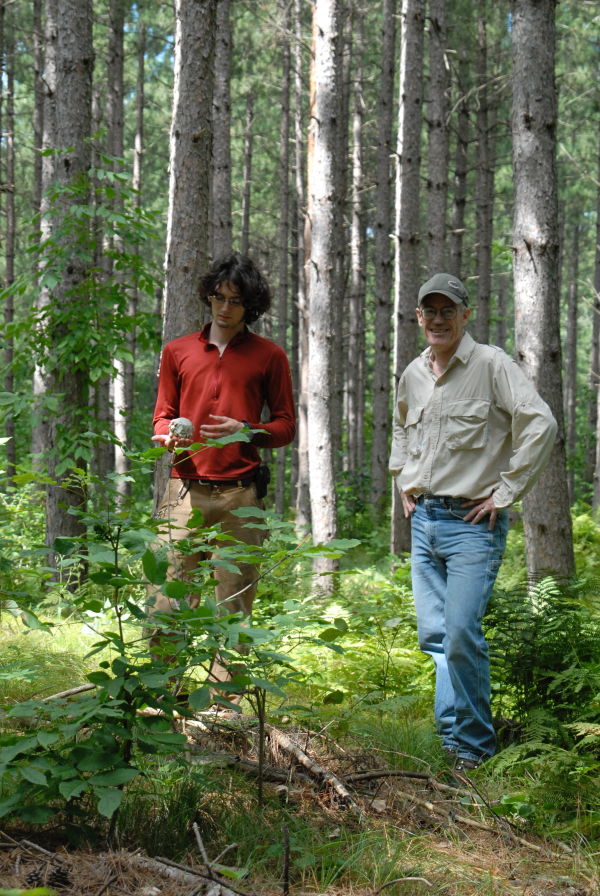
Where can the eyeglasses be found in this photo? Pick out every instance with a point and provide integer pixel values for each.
(234, 303)
(447, 313)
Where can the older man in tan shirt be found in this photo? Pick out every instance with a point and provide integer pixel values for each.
(470, 437)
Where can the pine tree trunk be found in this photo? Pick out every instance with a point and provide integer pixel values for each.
(571, 362)
(7, 52)
(221, 164)
(461, 164)
(355, 318)
(284, 229)
(484, 190)
(187, 251)
(593, 474)
(39, 433)
(302, 484)
(546, 517)
(383, 262)
(124, 385)
(74, 66)
(407, 231)
(247, 175)
(438, 130)
(189, 166)
(323, 218)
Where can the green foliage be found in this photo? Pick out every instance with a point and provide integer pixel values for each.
(545, 654)
(87, 747)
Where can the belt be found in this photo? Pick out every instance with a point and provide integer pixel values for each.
(446, 500)
(227, 483)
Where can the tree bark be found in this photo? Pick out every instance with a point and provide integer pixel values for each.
(407, 230)
(187, 252)
(323, 219)
(284, 228)
(461, 162)
(571, 362)
(484, 188)
(7, 53)
(594, 451)
(355, 320)
(383, 262)
(247, 175)
(302, 485)
(189, 166)
(546, 517)
(74, 66)
(438, 130)
(221, 163)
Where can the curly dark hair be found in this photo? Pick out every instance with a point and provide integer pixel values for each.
(244, 275)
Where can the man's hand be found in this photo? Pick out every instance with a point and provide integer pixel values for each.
(225, 426)
(408, 504)
(481, 509)
(170, 442)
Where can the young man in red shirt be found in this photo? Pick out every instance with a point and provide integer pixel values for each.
(221, 378)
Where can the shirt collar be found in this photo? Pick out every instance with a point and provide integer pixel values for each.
(463, 353)
(239, 337)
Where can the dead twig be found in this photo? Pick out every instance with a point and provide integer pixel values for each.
(106, 885)
(386, 773)
(326, 777)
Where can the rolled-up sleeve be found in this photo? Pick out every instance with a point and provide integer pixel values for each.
(533, 433)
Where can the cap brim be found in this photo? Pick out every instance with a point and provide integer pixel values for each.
(443, 292)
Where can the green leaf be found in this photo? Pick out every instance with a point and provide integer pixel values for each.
(176, 590)
(109, 801)
(200, 699)
(329, 634)
(33, 774)
(334, 697)
(155, 569)
(115, 777)
(69, 789)
(8, 753)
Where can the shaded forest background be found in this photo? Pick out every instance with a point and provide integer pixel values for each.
(423, 178)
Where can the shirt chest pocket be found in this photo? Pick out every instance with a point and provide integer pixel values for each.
(467, 424)
(414, 431)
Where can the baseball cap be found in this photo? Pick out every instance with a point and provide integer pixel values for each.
(447, 285)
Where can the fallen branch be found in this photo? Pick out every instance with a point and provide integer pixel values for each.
(288, 746)
(386, 773)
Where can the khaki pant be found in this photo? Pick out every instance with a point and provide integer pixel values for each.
(215, 503)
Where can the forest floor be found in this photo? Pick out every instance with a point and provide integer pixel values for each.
(452, 842)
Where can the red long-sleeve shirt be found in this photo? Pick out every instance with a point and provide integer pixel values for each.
(195, 381)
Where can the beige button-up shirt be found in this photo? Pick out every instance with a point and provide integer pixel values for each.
(478, 428)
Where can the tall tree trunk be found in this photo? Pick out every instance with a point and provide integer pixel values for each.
(38, 108)
(124, 385)
(484, 188)
(7, 52)
(546, 517)
(189, 176)
(571, 362)
(461, 162)
(221, 179)
(39, 433)
(439, 135)
(593, 476)
(501, 313)
(74, 67)
(112, 417)
(302, 484)
(284, 226)
(323, 218)
(247, 175)
(407, 230)
(354, 366)
(383, 261)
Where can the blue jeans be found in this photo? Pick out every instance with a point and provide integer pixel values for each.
(454, 567)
